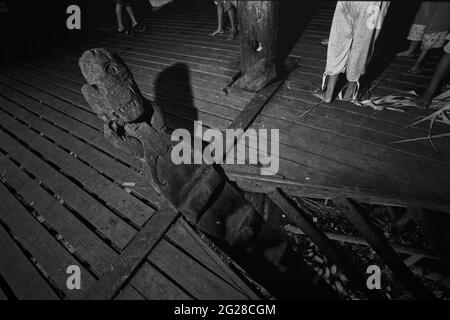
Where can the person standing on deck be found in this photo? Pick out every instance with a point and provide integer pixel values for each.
(441, 70)
(135, 26)
(356, 25)
(430, 28)
(228, 6)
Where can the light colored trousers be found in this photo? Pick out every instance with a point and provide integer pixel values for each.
(355, 28)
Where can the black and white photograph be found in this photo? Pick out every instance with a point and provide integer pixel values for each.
(224, 157)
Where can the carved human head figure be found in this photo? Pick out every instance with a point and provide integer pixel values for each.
(110, 89)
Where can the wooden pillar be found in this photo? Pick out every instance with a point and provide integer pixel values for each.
(258, 21)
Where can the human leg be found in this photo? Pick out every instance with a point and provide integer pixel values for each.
(415, 37)
(131, 14)
(339, 45)
(413, 45)
(430, 41)
(233, 24)
(219, 29)
(327, 95)
(119, 18)
(441, 69)
(364, 38)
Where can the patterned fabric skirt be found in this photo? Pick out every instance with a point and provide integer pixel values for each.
(447, 46)
(429, 40)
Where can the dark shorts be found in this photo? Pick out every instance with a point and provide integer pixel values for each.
(125, 3)
(227, 4)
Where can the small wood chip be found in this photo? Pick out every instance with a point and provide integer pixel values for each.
(129, 184)
(318, 259)
(333, 269)
(327, 273)
(343, 277)
(339, 286)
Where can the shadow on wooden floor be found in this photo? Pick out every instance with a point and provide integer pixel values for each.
(392, 38)
(295, 16)
(180, 72)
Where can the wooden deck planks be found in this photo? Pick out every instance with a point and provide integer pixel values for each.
(51, 255)
(41, 120)
(64, 115)
(360, 164)
(155, 286)
(21, 275)
(188, 273)
(309, 39)
(356, 118)
(367, 142)
(312, 48)
(42, 113)
(133, 256)
(82, 241)
(151, 81)
(364, 154)
(100, 217)
(130, 293)
(181, 105)
(310, 173)
(114, 197)
(301, 88)
(65, 67)
(128, 206)
(376, 158)
(187, 240)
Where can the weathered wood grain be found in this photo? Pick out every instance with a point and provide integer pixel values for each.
(21, 275)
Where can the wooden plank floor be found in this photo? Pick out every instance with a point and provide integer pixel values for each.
(336, 146)
(62, 184)
(41, 236)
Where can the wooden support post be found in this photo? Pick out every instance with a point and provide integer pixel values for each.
(322, 242)
(412, 260)
(425, 222)
(258, 21)
(360, 220)
(264, 207)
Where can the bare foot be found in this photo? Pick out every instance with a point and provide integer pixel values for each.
(232, 35)
(424, 100)
(349, 92)
(322, 95)
(406, 53)
(216, 32)
(347, 96)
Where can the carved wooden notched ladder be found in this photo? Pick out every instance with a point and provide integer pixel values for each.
(202, 193)
(206, 198)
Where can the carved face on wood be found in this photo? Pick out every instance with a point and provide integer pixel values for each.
(110, 88)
